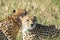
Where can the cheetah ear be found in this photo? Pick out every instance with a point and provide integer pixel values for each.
(21, 17)
(14, 11)
(23, 14)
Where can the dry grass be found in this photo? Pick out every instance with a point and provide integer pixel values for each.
(47, 11)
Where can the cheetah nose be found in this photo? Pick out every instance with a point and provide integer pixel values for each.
(32, 24)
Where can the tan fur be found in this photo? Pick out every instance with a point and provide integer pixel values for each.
(11, 25)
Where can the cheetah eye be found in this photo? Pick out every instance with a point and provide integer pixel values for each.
(27, 20)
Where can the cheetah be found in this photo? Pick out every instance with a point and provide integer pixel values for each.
(11, 25)
(31, 30)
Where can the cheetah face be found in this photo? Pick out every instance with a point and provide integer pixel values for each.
(29, 22)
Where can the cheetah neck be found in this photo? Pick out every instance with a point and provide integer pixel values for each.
(24, 30)
(27, 34)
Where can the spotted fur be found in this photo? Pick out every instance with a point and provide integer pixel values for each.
(31, 30)
(11, 25)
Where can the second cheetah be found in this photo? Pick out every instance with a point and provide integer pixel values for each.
(31, 30)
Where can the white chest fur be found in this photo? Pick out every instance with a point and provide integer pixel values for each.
(28, 35)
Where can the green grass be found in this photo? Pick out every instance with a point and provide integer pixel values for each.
(47, 11)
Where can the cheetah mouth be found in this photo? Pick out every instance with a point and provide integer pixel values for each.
(32, 26)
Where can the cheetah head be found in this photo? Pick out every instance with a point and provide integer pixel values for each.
(29, 22)
(19, 12)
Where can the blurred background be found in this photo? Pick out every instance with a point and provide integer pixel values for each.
(46, 11)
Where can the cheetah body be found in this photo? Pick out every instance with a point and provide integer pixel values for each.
(11, 25)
